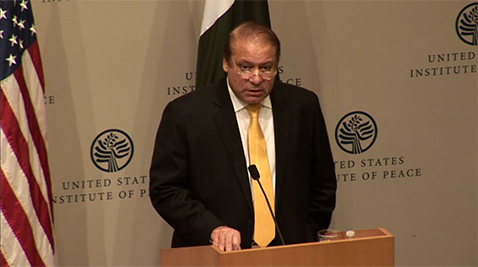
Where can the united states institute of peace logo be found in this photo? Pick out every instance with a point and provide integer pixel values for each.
(467, 24)
(112, 150)
(356, 132)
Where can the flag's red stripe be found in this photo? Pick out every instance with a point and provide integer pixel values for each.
(34, 52)
(11, 128)
(18, 221)
(3, 261)
(39, 145)
(33, 124)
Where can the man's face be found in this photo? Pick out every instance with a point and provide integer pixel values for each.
(254, 56)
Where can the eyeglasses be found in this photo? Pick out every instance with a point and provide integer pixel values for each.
(246, 72)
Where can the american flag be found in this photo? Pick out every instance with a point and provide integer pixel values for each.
(26, 206)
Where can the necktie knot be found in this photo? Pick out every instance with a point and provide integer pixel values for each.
(253, 110)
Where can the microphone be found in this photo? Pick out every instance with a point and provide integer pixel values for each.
(254, 172)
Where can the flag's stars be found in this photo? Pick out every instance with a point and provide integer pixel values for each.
(15, 22)
(3, 14)
(21, 24)
(21, 43)
(11, 60)
(13, 40)
(1, 34)
(33, 30)
(23, 4)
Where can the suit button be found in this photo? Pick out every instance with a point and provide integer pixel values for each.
(250, 222)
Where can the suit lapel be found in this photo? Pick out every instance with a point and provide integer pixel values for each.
(281, 136)
(227, 126)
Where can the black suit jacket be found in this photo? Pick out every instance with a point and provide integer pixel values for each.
(199, 178)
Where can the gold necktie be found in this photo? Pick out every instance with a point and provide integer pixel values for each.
(264, 228)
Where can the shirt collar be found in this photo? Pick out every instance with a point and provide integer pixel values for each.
(239, 104)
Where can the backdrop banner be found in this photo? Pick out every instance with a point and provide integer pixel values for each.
(397, 81)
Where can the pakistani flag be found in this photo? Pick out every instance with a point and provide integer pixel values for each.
(220, 17)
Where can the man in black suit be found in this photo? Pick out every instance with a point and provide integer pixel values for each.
(199, 181)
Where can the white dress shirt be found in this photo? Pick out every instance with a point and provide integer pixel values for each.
(266, 120)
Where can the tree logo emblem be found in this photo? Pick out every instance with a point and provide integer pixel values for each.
(112, 150)
(356, 132)
(467, 24)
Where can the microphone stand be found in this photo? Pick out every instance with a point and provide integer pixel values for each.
(255, 175)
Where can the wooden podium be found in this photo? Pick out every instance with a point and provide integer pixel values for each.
(374, 247)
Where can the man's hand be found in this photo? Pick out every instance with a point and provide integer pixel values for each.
(226, 238)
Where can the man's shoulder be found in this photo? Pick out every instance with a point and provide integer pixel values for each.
(204, 94)
(293, 92)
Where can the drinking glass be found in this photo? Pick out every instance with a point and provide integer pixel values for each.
(329, 235)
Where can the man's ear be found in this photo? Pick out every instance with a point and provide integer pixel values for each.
(225, 65)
